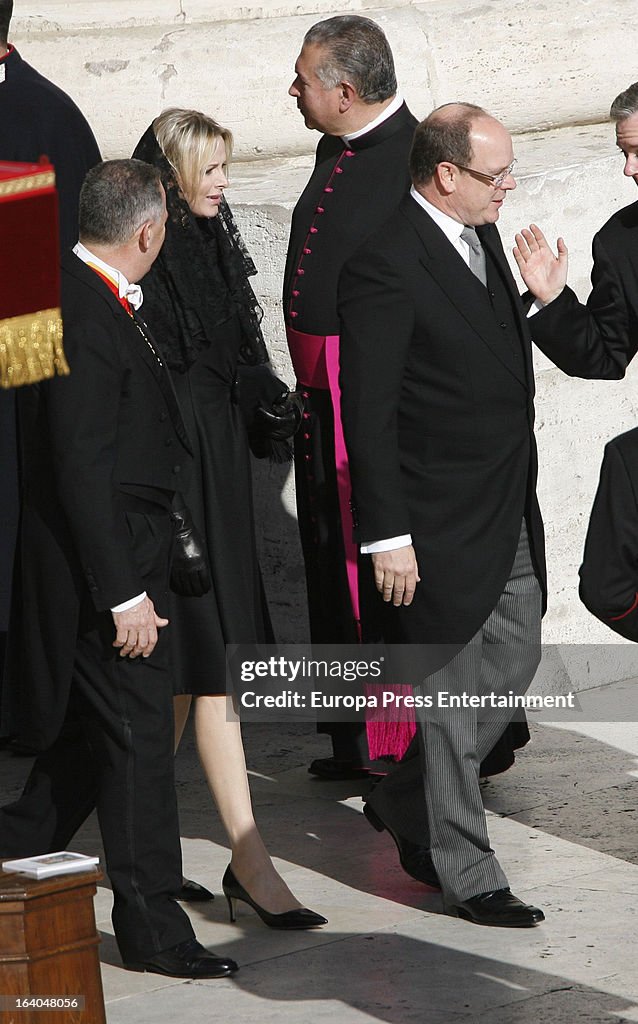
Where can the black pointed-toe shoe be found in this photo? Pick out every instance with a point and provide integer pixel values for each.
(414, 858)
(188, 959)
(500, 908)
(298, 918)
(193, 892)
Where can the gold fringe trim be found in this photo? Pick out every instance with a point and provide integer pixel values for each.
(31, 348)
(27, 183)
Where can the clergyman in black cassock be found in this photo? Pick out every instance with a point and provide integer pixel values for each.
(360, 175)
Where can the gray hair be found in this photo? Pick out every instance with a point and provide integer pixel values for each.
(626, 104)
(357, 51)
(117, 197)
(445, 134)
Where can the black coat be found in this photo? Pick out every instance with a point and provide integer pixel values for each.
(437, 401)
(609, 573)
(38, 119)
(92, 445)
(599, 339)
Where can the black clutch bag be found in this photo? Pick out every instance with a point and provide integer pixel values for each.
(271, 411)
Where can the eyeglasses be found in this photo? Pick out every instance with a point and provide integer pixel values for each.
(495, 180)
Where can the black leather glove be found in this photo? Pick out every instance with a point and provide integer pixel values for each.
(271, 412)
(190, 575)
(282, 419)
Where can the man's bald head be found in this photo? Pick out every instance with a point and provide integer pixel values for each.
(445, 135)
(462, 161)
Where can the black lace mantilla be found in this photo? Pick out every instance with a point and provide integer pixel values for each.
(200, 277)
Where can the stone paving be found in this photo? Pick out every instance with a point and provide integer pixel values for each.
(563, 822)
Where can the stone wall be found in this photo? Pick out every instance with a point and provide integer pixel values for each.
(548, 70)
(534, 63)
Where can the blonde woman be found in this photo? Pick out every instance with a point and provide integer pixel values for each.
(204, 317)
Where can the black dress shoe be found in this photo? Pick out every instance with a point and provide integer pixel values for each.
(333, 770)
(298, 918)
(193, 892)
(19, 749)
(415, 859)
(500, 908)
(188, 959)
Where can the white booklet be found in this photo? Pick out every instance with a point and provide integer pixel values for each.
(47, 864)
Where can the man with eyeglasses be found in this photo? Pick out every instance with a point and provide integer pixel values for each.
(437, 403)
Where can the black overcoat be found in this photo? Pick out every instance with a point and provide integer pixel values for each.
(597, 340)
(92, 444)
(609, 573)
(438, 417)
(36, 119)
(39, 119)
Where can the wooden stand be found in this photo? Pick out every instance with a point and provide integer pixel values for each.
(49, 948)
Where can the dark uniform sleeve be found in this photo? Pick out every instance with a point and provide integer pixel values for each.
(609, 573)
(597, 340)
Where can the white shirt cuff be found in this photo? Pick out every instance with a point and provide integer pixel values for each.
(124, 607)
(535, 307)
(370, 547)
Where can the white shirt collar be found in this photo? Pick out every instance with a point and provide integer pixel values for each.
(451, 228)
(383, 116)
(132, 292)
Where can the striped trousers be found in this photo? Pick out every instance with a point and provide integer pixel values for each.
(434, 799)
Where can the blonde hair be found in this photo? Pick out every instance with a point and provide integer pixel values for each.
(187, 139)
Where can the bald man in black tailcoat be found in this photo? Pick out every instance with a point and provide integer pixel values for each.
(437, 399)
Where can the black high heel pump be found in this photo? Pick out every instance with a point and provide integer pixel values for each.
(298, 918)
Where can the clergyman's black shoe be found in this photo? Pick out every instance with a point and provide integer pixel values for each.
(415, 859)
(333, 770)
(193, 892)
(500, 908)
(187, 959)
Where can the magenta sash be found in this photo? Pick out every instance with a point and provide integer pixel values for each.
(315, 359)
